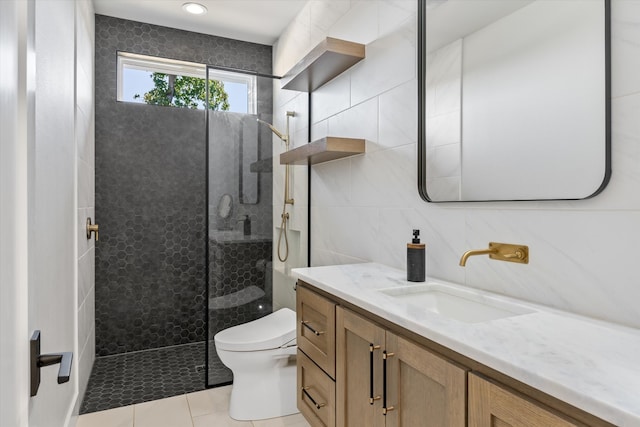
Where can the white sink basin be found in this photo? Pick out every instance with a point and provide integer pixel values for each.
(458, 304)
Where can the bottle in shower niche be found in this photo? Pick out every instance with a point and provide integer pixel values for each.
(415, 259)
(246, 225)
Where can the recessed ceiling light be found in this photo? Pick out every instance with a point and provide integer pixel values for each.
(194, 8)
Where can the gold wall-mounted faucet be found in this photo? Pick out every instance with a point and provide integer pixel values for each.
(500, 252)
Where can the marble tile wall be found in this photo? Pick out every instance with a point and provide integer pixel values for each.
(364, 208)
(85, 141)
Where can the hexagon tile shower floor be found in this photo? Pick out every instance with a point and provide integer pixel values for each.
(141, 376)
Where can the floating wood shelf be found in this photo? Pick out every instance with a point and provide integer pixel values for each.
(323, 150)
(263, 165)
(327, 60)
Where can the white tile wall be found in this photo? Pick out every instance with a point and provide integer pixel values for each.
(384, 178)
(364, 208)
(85, 151)
(359, 121)
(397, 118)
(391, 61)
(331, 99)
(625, 33)
(358, 24)
(325, 13)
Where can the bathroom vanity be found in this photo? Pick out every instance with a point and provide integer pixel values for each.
(376, 350)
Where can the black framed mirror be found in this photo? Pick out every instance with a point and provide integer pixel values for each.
(514, 99)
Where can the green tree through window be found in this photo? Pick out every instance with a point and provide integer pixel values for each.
(186, 92)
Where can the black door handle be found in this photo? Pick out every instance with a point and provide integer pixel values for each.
(39, 360)
(64, 359)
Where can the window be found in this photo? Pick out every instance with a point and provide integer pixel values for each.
(159, 81)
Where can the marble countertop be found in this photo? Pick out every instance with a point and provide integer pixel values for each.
(591, 364)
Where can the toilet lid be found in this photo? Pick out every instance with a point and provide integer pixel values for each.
(269, 332)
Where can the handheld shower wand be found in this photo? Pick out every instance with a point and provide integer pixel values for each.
(287, 198)
(274, 130)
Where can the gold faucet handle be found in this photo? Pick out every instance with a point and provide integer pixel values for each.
(509, 252)
(517, 254)
(92, 228)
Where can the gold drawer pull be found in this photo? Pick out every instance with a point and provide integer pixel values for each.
(317, 405)
(372, 398)
(385, 409)
(305, 323)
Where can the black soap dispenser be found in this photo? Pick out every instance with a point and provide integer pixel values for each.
(246, 225)
(416, 259)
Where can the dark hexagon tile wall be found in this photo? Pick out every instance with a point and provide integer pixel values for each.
(150, 193)
(150, 204)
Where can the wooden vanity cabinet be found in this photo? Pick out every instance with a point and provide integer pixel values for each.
(348, 364)
(383, 379)
(492, 405)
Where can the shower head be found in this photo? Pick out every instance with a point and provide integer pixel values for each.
(274, 130)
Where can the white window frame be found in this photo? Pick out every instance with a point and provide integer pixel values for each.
(235, 77)
(184, 68)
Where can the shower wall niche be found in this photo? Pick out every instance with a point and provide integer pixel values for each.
(151, 196)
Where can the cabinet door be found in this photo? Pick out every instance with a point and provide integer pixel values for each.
(493, 406)
(422, 388)
(359, 345)
(316, 335)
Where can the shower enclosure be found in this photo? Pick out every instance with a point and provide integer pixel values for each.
(173, 265)
(239, 238)
(184, 200)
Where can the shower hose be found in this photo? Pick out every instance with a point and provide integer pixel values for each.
(283, 230)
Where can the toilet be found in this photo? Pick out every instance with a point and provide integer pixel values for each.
(264, 375)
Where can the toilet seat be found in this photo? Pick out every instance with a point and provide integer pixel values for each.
(275, 330)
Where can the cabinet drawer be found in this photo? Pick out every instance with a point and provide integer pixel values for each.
(316, 393)
(316, 335)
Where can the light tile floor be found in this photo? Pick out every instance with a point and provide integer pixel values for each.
(207, 408)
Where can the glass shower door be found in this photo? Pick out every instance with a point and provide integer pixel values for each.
(239, 193)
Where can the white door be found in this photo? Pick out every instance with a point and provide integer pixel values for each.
(52, 230)
(38, 208)
(14, 332)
